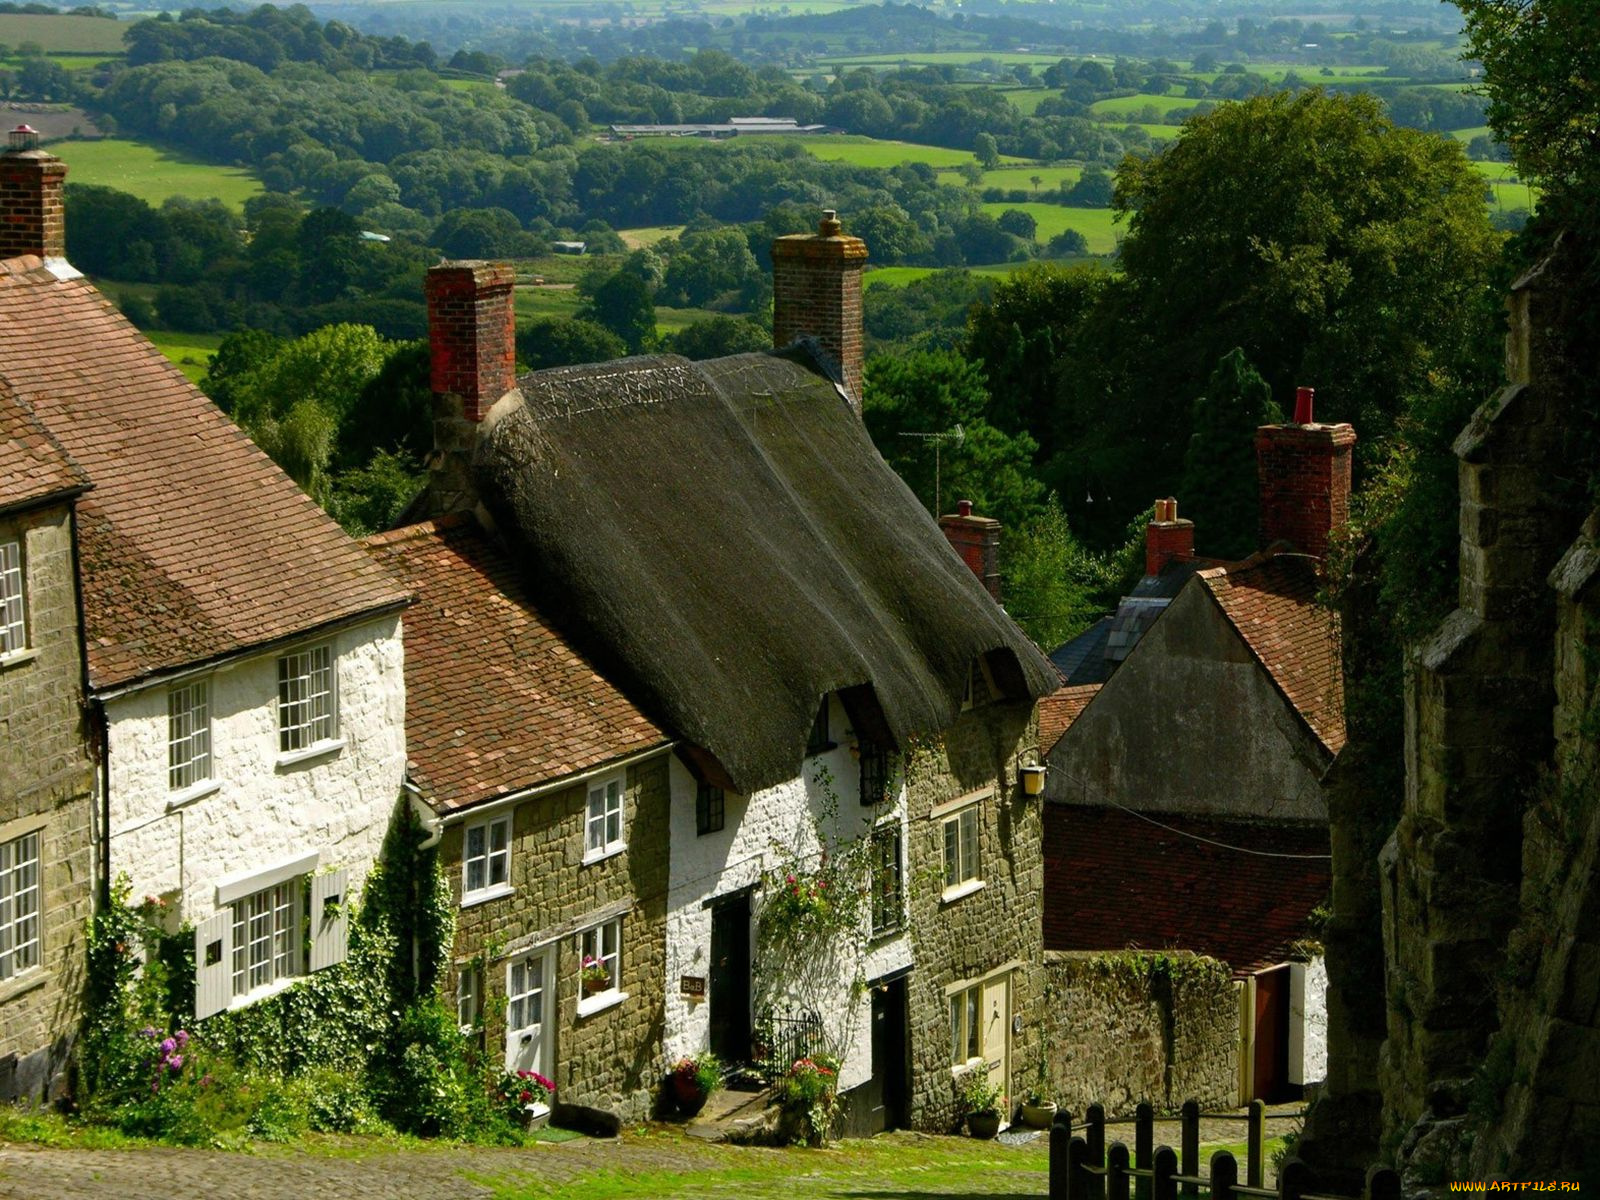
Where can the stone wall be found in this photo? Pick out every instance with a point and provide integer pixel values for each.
(959, 939)
(609, 1059)
(46, 787)
(1121, 1032)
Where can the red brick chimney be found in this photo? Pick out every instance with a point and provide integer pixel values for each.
(816, 292)
(977, 541)
(31, 219)
(1303, 471)
(472, 346)
(1167, 538)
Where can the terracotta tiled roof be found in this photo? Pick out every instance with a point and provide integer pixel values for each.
(1059, 710)
(33, 466)
(194, 545)
(496, 700)
(1113, 880)
(1272, 601)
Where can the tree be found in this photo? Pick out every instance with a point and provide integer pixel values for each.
(555, 342)
(986, 150)
(1019, 223)
(1219, 468)
(1053, 587)
(719, 336)
(936, 392)
(622, 304)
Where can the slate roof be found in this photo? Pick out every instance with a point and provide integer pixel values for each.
(724, 541)
(1107, 869)
(1083, 659)
(193, 544)
(33, 467)
(1271, 599)
(496, 700)
(1060, 709)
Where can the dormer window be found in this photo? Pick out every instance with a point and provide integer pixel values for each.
(874, 774)
(819, 742)
(980, 687)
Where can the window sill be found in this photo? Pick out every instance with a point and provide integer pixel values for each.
(595, 856)
(195, 791)
(17, 657)
(886, 934)
(471, 899)
(263, 992)
(957, 1070)
(588, 1006)
(951, 894)
(21, 985)
(321, 750)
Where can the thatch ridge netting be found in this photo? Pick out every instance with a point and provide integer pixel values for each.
(725, 541)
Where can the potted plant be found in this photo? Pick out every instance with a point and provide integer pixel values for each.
(1037, 1110)
(693, 1079)
(980, 1100)
(594, 975)
(524, 1096)
(808, 1095)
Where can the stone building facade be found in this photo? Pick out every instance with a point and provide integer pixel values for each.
(46, 767)
(603, 1051)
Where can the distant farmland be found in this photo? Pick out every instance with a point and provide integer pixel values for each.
(85, 35)
(154, 174)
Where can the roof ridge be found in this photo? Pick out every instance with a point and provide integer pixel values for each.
(418, 529)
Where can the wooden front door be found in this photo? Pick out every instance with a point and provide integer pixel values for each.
(729, 982)
(891, 1061)
(1272, 1035)
(996, 1017)
(529, 1004)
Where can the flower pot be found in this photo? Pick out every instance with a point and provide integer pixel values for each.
(687, 1094)
(535, 1115)
(1039, 1116)
(983, 1125)
(592, 987)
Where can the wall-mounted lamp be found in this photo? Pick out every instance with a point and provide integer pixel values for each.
(1032, 781)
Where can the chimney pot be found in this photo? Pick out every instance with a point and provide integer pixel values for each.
(964, 508)
(24, 137)
(830, 226)
(1302, 405)
(1166, 538)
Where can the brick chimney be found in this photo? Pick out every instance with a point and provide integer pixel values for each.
(31, 219)
(472, 347)
(816, 292)
(1167, 538)
(977, 541)
(1303, 470)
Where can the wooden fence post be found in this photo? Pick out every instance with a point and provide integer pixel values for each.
(1094, 1121)
(1060, 1135)
(1117, 1172)
(1224, 1175)
(1383, 1183)
(1144, 1146)
(1294, 1181)
(1254, 1168)
(1189, 1160)
(1165, 1167)
(1077, 1177)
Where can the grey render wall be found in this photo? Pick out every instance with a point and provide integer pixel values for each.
(1189, 715)
(610, 1060)
(46, 783)
(971, 937)
(1119, 1034)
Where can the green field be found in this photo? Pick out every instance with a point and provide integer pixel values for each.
(648, 235)
(900, 276)
(870, 152)
(1127, 105)
(154, 174)
(88, 35)
(1022, 177)
(1466, 135)
(937, 58)
(1509, 191)
(1094, 223)
(68, 61)
(536, 303)
(671, 320)
(1027, 100)
(190, 351)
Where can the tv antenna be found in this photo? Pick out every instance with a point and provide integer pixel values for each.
(956, 437)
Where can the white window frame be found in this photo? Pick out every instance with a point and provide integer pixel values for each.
(189, 766)
(266, 944)
(308, 702)
(13, 600)
(966, 1025)
(487, 859)
(21, 924)
(604, 942)
(962, 832)
(604, 832)
(469, 997)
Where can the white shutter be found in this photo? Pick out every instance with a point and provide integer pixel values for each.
(330, 918)
(213, 964)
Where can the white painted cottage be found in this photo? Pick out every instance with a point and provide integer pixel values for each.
(243, 654)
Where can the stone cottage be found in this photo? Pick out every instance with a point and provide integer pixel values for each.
(548, 790)
(243, 654)
(721, 540)
(46, 764)
(1200, 754)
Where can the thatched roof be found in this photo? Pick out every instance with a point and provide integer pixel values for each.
(725, 541)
